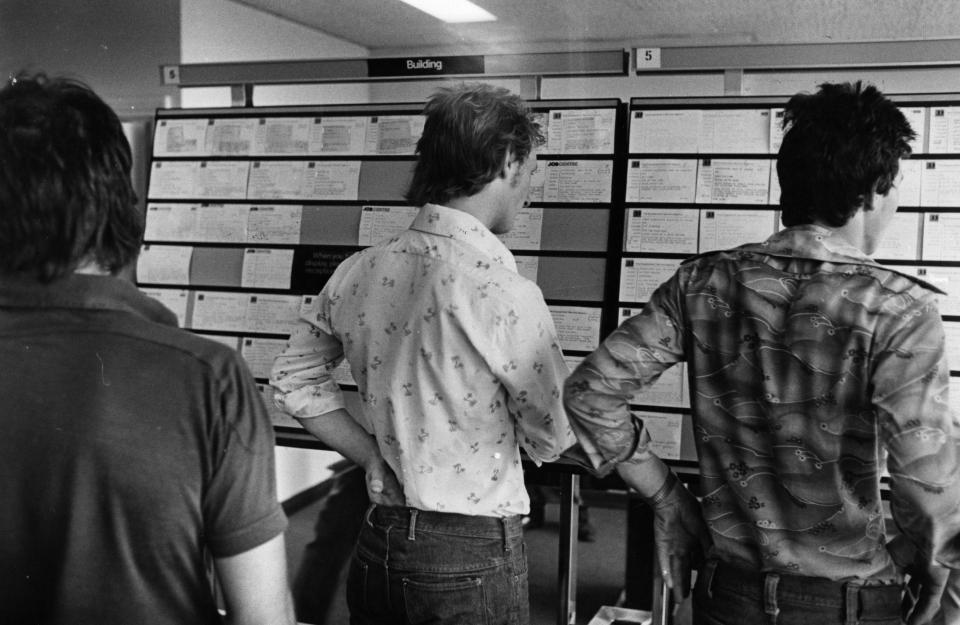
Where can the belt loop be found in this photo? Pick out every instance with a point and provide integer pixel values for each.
(851, 601)
(411, 531)
(369, 515)
(709, 569)
(770, 581)
(505, 534)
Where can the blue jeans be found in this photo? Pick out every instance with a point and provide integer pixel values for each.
(413, 566)
(728, 595)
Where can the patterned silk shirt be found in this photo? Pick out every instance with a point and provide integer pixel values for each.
(810, 367)
(455, 357)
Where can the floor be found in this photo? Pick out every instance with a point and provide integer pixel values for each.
(600, 571)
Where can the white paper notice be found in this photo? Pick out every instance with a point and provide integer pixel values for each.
(331, 180)
(578, 328)
(744, 131)
(378, 223)
(666, 391)
(222, 180)
(526, 231)
(343, 375)
(940, 183)
(944, 130)
(266, 268)
(952, 331)
(910, 185)
(215, 310)
(662, 180)
(173, 179)
(665, 131)
(662, 230)
(733, 181)
(578, 181)
(274, 224)
(587, 131)
(230, 137)
(282, 135)
(394, 134)
(941, 232)
(174, 299)
(260, 354)
(773, 198)
(170, 222)
(221, 223)
(164, 264)
(776, 129)
(640, 277)
(179, 137)
(528, 267)
(338, 135)
(272, 314)
(917, 116)
(901, 240)
(537, 181)
(276, 180)
(665, 431)
(947, 279)
(725, 229)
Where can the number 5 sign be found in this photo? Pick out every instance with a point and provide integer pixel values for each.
(647, 58)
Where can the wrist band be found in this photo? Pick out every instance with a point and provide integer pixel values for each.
(664, 491)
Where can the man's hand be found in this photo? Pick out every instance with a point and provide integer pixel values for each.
(383, 487)
(925, 586)
(680, 534)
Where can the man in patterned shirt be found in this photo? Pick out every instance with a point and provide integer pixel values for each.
(810, 368)
(457, 365)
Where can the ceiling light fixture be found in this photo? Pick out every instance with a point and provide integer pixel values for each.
(453, 11)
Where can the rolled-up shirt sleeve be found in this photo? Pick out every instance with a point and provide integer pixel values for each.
(302, 375)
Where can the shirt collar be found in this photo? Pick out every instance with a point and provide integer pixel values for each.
(812, 242)
(85, 291)
(464, 227)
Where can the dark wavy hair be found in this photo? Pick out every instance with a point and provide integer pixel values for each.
(468, 133)
(65, 192)
(841, 144)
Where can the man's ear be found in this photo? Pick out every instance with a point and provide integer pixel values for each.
(510, 164)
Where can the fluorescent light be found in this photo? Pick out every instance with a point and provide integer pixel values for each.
(454, 11)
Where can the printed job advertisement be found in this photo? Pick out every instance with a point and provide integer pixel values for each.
(230, 137)
(952, 331)
(578, 327)
(378, 223)
(260, 354)
(170, 222)
(331, 180)
(179, 137)
(941, 232)
(339, 135)
(282, 135)
(222, 180)
(527, 230)
(583, 131)
(272, 314)
(218, 310)
(743, 131)
(164, 264)
(725, 229)
(393, 134)
(274, 224)
(174, 299)
(528, 267)
(542, 119)
(537, 182)
(671, 131)
(640, 277)
(662, 230)
(940, 183)
(733, 181)
(173, 180)
(917, 117)
(944, 129)
(901, 239)
(578, 181)
(666, 391)
(277, 180)
(266, 268)
(573, 360)
(671, 181)
(343, 375)
(773, 198)
(665, 430)
(776, 129)
(221, 223)
(947, 279)
(910, 186)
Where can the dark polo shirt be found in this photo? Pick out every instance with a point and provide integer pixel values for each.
(128, 448)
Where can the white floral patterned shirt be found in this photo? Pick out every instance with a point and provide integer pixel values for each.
(455, 357)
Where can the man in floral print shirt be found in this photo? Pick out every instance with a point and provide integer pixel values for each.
(811, 368)
(457, 365)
